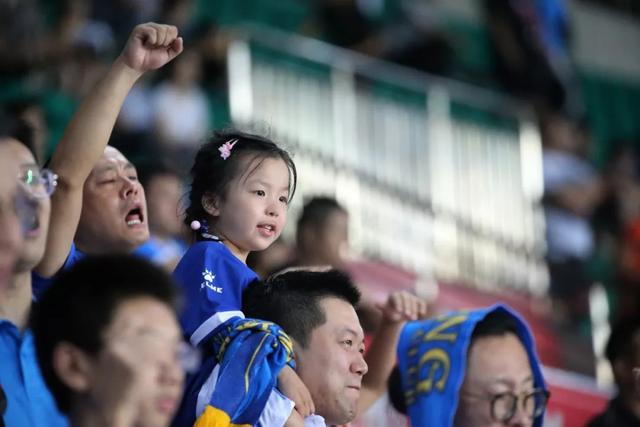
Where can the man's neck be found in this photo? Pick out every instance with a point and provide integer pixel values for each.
(88, 414)
(16, 302)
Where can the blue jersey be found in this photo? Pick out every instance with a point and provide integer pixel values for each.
(212, 281)
(39, 284)
(29, 402)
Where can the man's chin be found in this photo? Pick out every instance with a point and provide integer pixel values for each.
(343, 416)
(138, 236)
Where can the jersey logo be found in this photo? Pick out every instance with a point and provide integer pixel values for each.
(209, 277)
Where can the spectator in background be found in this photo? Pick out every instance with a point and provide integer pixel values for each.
(322, 233)
(276, 257)
(109, 344)
(474, 368)
(163, 188)
(30, 110)
(409, 35)
(181, 109)
(27, 43)
(615, 222)
(572, 190)
(530, 41)
(623, 352)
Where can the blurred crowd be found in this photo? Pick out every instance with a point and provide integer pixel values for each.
(54, 53)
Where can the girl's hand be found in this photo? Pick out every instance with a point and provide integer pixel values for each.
(403, 306)
(150, 46)
(292, 386)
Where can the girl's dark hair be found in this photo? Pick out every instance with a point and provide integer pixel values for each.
(211, 174)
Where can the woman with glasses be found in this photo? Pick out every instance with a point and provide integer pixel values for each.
(470, 369)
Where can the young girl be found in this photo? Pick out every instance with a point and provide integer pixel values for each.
(240, 191)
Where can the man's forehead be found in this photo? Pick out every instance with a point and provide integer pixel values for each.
(111, 157)
(341, 317)
(499, 359)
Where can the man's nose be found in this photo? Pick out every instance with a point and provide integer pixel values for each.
(129, 188)
(359, 366)
(520, 418)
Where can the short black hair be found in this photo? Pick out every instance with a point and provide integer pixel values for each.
(292, 299)
(497, 323)
(316, 210)
(81, 302)
(620, 344)
(211, 174)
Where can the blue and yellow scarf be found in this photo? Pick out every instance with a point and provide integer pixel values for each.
(250, 353)
(432, 358)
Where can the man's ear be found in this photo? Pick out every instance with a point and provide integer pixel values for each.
(72, 366)
(210, 204)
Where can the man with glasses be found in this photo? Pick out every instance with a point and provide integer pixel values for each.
(470, 369)
(24, 207)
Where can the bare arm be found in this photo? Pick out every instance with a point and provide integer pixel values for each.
(381, 356)
(149, 47)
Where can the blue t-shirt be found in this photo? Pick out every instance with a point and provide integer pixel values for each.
(160, 251)
(39, 283)
(212, 281)
(29, 401)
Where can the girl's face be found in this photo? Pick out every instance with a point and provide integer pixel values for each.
(254, 211)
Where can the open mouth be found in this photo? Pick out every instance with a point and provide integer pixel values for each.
(30, 223)
(27, 210)
(134, 217)
(166, 404)
(267, 227)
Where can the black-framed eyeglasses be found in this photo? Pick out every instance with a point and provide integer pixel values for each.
(39, 183)
(505, 405)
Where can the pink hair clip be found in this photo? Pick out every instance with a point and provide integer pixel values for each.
(225, 149)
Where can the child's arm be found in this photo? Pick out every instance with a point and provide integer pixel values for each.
(381, 355)
(295, 419)
(292, 386)
(150, 46)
